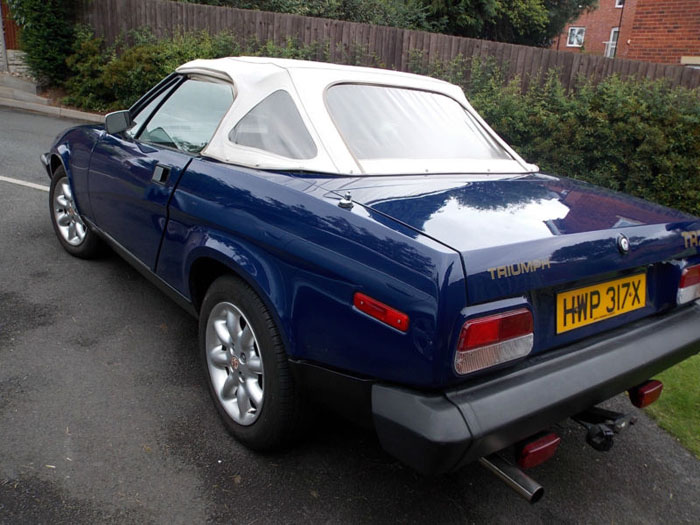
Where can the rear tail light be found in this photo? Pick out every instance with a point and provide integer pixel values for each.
(645, 394)
(537, 451)
(495, 339)
(380, 311)
(689, 287)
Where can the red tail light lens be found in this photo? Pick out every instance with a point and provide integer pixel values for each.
(538, 451)
(644, 395)
(380, 311)
(494, 328)
(494, 339)
(690, 277)
(689, 286)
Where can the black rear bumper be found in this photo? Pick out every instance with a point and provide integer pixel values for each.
(436, 433)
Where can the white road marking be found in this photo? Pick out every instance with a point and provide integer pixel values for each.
(25, 183)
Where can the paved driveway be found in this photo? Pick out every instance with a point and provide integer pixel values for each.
(105, 416)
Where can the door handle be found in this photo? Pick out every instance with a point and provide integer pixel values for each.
(160, 174)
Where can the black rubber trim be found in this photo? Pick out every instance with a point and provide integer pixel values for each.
(350, 396)
(145, 271)
(424, 430)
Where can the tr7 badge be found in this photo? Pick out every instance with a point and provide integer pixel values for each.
(692, 239)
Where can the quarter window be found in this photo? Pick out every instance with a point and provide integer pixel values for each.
(576, 36)
(276, 126)
(187, 120)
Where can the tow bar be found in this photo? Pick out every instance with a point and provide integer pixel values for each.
(601, 426)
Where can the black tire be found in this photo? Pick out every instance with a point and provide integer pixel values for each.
(279, 418)
(91, 245)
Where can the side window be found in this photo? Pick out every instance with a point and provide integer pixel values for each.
(188, 119)
(275, 125)
(143, 115)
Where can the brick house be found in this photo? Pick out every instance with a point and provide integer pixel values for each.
(651, 30)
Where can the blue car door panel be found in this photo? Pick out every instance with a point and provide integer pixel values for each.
(130, 186)
(133, 174)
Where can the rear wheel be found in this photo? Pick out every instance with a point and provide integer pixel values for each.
(246, 366)
(73, 233)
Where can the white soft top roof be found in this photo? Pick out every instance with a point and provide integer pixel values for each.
(255, 78)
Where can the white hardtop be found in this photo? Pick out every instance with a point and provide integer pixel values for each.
(255, 78)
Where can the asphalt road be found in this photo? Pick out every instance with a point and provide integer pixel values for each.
(105, 415)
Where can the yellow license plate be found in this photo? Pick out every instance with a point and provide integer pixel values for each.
(584, 306)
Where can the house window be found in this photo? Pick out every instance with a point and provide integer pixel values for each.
(576, 35)
(619, 3)
(611, 45)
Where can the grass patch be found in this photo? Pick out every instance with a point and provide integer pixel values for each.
(678, 408)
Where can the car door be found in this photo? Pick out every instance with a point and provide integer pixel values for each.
(133, 174)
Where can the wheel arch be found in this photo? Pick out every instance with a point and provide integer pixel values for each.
(55, 162)
(208, 265)
(60, 157)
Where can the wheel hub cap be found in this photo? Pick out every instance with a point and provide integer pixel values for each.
(70, 226)
(234, 363)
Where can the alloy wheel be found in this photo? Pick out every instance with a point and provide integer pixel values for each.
(234, 363)
(70, 225)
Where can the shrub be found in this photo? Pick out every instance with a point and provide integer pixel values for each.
(107, 78)
(85, 67)
(46, 37)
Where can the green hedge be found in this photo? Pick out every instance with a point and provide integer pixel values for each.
(46, 37)
(640, 137)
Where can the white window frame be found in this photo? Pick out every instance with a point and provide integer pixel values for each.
(619, 4)
(611, 44)
(691, 62)
(568, 38)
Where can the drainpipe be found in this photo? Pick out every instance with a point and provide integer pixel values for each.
(619, 28)
(5, 65)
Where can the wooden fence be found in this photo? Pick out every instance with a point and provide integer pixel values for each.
(9, 27)
(387, 46)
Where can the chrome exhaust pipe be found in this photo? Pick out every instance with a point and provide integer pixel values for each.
(515, 478)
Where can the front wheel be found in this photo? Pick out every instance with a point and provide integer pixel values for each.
(246, 365)
(73, 233)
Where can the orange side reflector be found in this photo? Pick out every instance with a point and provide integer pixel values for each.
(380, 311)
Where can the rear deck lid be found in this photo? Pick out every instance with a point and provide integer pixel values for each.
(519, 233)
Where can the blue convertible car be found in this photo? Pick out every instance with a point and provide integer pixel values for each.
(363, 235)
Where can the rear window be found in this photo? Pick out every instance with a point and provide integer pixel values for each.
(381, 122)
